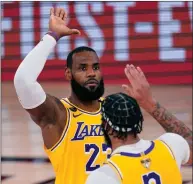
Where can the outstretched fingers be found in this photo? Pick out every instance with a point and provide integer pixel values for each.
(62, 13)
(51, 11)
(130, 76)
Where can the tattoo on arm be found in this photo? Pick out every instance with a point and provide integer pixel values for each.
(171, 124)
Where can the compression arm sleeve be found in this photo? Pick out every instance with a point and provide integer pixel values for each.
(29, 91)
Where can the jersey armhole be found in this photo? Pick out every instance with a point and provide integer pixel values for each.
(116, 169)
(169, 149)
(63, 133)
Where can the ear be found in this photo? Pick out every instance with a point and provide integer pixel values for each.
(68, 74)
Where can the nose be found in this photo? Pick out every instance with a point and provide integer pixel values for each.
(91, 72)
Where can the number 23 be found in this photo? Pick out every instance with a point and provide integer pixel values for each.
(96, 150)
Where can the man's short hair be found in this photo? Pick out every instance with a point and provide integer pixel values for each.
(77, 50)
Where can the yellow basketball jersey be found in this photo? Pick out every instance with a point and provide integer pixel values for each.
(155, 166)
(81, 148)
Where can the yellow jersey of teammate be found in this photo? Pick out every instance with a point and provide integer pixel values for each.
(151, 167)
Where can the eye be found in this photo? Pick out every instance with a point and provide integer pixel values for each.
(83, 68)
(96, 67)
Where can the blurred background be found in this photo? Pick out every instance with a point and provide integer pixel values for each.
(157, 36)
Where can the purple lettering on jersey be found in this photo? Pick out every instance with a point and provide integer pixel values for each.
(93, 130)
(83, 131)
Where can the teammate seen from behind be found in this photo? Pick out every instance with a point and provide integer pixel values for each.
(136, 160)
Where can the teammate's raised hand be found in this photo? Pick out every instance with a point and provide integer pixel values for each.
(139, 88)
(57, 23)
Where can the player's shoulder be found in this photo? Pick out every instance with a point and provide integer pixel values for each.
(178, 145)
(101, 99)
(171, 138)
(67, 104)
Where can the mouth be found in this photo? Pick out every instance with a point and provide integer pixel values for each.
(91, 83)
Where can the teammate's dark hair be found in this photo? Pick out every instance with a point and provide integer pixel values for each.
(121, 116)
(77, 50)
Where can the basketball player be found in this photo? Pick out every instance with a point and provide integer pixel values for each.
(71, 130)
(136, 160)
(70, 127)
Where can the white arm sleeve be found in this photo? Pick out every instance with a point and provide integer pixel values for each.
(103, 175)
(28, 90)
(179, 147)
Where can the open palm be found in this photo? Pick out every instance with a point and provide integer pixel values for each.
(139, 88)
(58, 21)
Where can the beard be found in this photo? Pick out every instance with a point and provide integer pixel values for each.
(84, 94)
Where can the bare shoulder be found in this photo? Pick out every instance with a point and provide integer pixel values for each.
(52, 111)
(51, 116)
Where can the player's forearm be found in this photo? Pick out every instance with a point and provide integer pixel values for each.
(25, 80)
(171, 124)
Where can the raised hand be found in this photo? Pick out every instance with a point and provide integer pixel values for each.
(57, 23)
(140, 88)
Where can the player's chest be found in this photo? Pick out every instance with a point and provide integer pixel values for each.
(85, 127)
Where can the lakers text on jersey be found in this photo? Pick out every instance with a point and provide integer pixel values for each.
(81, 148)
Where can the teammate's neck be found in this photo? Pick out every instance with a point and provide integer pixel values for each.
(118, 142)
(91, 106)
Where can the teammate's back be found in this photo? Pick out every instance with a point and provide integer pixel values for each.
(135, 160)
(156, 165)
